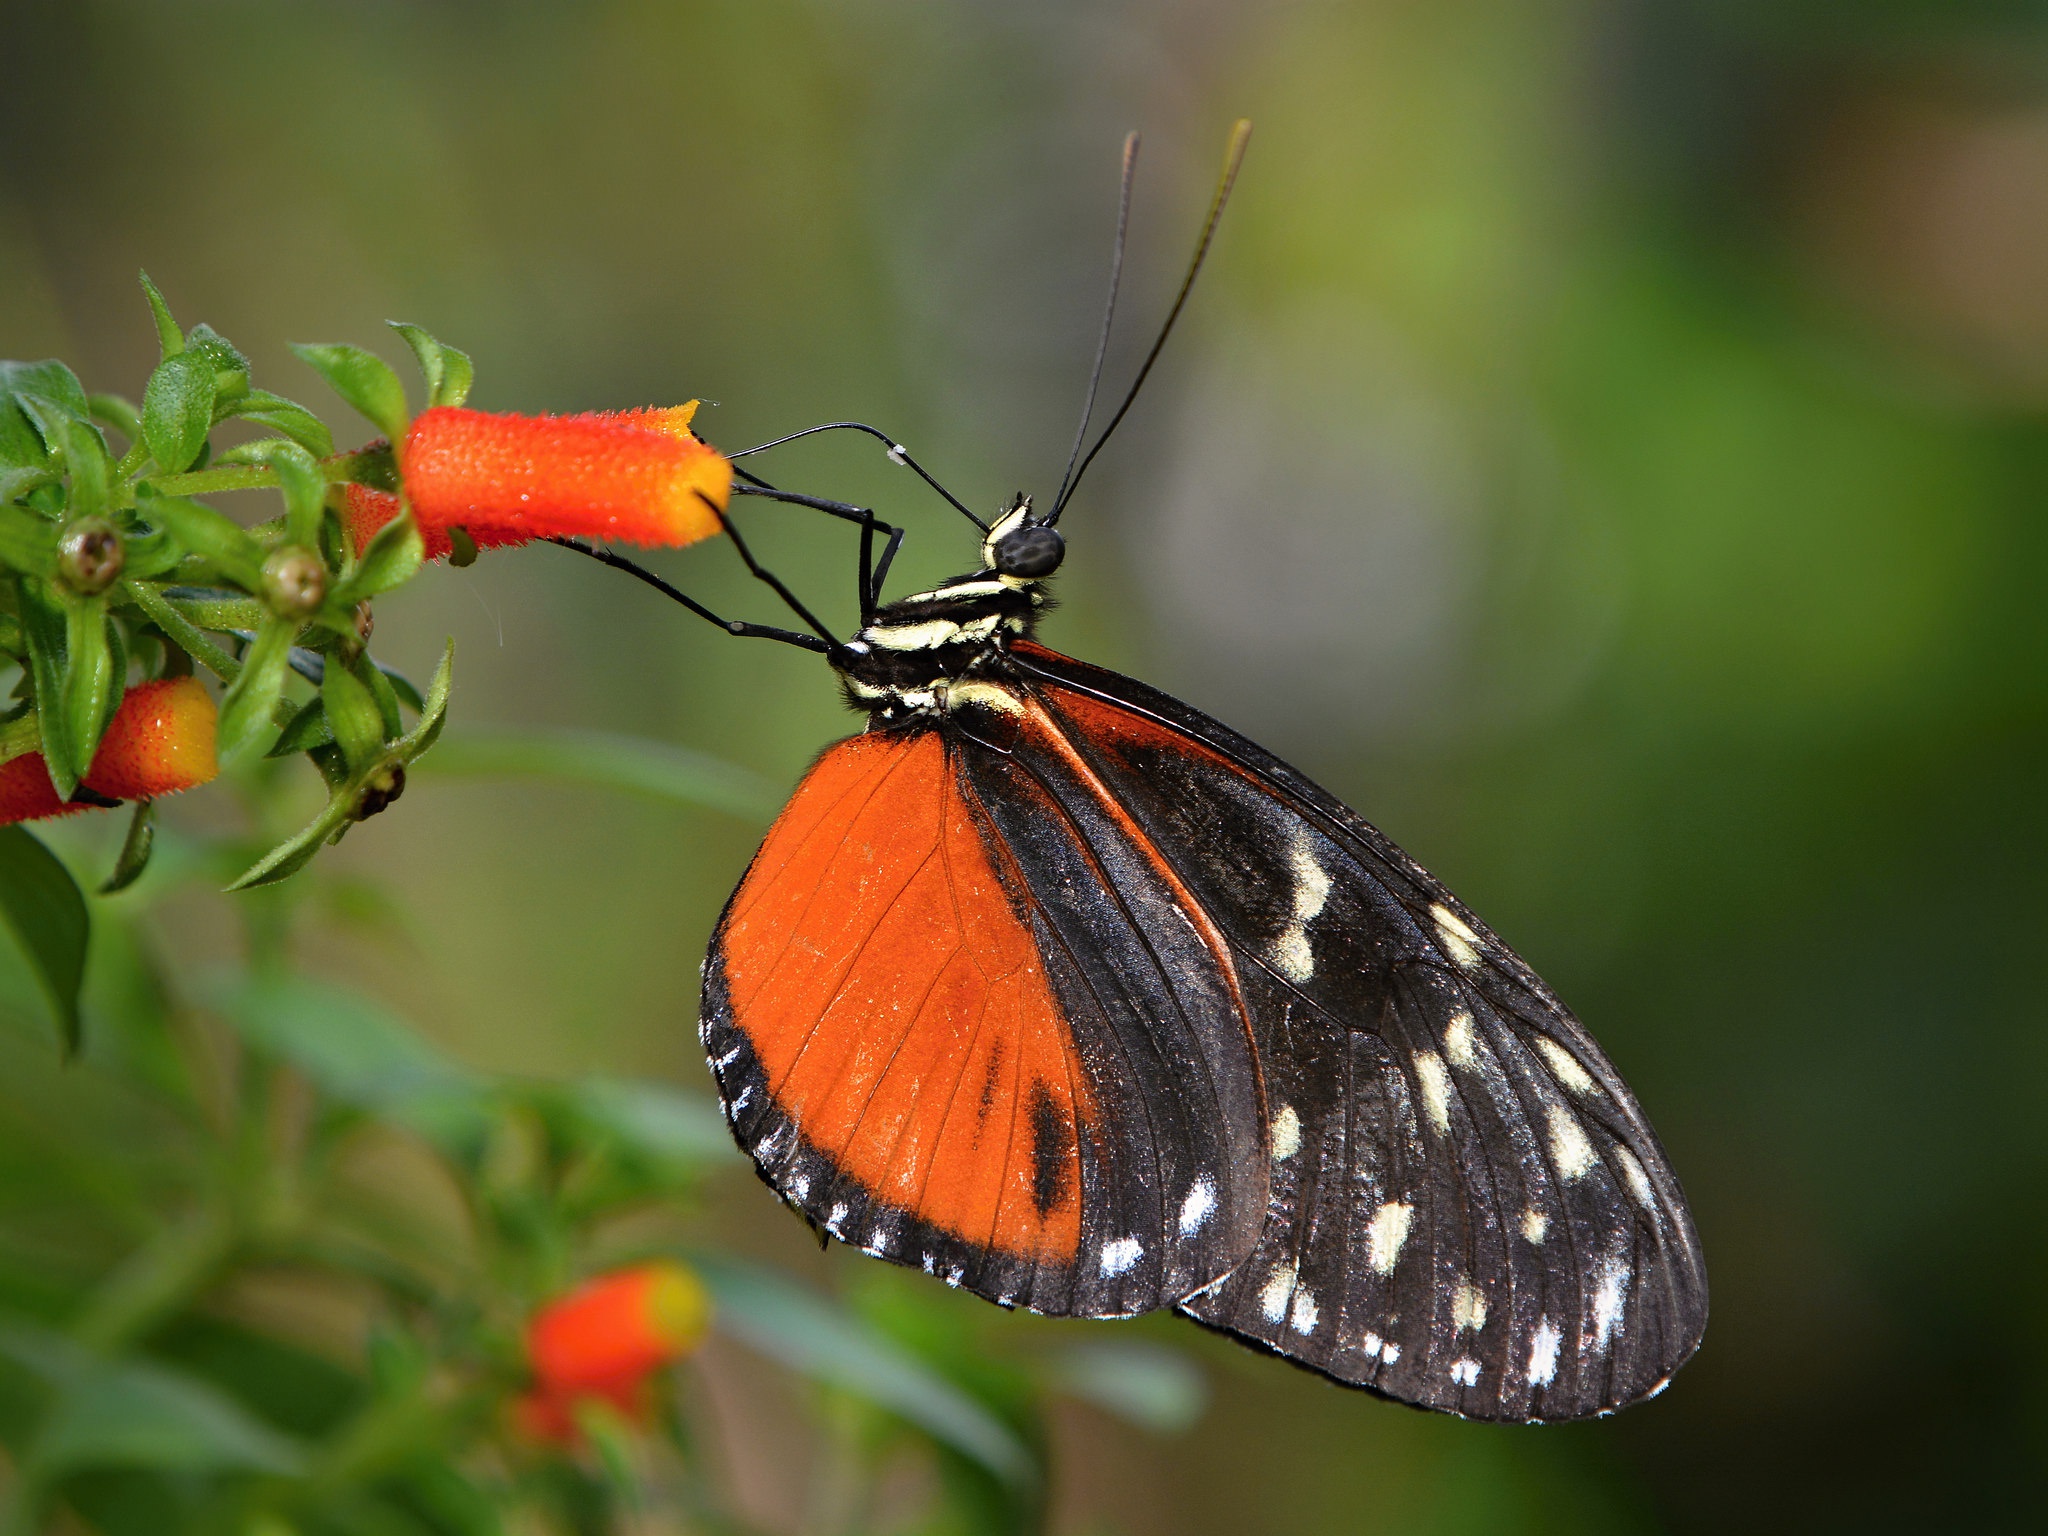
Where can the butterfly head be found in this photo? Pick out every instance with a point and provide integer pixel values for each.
(1021, 547)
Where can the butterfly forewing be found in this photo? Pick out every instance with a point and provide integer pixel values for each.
(1468, 1211)
(953, 1020)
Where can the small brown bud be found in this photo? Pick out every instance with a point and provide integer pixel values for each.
(294, 582)
(384, 786)
(365, 621)
(90, 556)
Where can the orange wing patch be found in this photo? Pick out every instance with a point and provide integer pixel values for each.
(898, 1006)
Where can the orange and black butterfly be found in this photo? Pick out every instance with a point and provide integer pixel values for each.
(1064, 993)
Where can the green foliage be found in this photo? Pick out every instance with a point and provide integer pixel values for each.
(45, 916)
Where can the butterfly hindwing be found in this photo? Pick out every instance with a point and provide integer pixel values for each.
(947, 1033)
(1468, 1210)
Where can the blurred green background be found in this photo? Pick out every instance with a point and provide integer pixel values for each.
(1608, 448)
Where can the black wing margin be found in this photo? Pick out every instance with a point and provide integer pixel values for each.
(1469, 1212)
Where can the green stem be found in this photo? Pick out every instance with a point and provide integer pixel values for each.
(182, 630)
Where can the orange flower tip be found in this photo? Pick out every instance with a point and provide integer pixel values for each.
(159, 742)
(612, 1332)
(638, 477)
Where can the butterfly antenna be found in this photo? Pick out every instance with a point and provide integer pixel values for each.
(1116, 272)
(1233, 157)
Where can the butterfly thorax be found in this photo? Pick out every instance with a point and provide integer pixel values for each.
(921, 655)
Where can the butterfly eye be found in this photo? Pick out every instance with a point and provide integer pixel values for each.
(1030, 552)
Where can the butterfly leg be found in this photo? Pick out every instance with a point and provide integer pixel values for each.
(872, 575)
(731, 626)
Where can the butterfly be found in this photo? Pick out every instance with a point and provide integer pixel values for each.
(1059, 990)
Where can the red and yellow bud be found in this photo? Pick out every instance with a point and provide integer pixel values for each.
(159, 742)
(639, 477)
(617, 1328)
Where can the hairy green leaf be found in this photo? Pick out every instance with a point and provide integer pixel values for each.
(177, 410)
(449, 372)
(246, 709)
(170, 340)
(364, 380)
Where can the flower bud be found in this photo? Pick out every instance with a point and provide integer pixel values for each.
(294, 582)
(89, 555)
(384, 786)
(159, 742)
(617, 1328)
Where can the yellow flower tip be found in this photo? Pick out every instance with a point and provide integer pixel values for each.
(161, 740)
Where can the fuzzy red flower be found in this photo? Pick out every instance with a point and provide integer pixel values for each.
(641, 477)
(605, 1339)
(159, 742)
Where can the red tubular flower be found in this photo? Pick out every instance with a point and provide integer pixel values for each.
(604, 1340)
(366, 512)
(159, 742)
(641, 477)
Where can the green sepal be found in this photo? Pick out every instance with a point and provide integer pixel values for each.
(136, 848)
(27, 543)
(177, 410)
(281, 415)
(246, 709)
(392, 558)
(170, 340)
(304, 731)
(204, 532)
(364, 380)
(45, 912)
(352, 715)
(449, 372)
(292, 855)
(230, 367)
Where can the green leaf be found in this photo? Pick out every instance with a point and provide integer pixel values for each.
(392, 558)
(45, 626)
(118, 411)
(170, 340)
(296, 851)
(381, 689)
(449, 373)
(207, 534)
(352, 716)
(230, 368)
(657, 1121)
(246, 709)
(364, 380)
(1155, 1388)
(135, 1413)
(28, 543)
(304, 489)
(306, 730)
(822, 1340)
(285, 416)
(136, 848)
(360, 1054)
(44, 913)
(95, 666)
(433, 711)
(84, 451)
(177, 410)
(48, 381)
(612, 762)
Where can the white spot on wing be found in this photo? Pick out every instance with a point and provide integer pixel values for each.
(727, 1059)
(1390, 1352)
(1279, 1286)
(1468, 1307)
(1385, 1234)
(1569, 1148)
(1638, 1181)
(1610, 1300)
(1286, 1133)
(1121, 1255)
(833, 1218)
(1292, 953)
(1458, 1042)
(1303, 1315)
(1457, 936)
(1543, 1354)
(1564, 1066)
(1465, 1372)
(1371, 1343)
(1436, 1089)
(1535, 1225)
(800, 1186)
(1195, 1209)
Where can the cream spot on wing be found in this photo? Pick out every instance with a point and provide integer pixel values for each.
(1465, 1372)
(1458, 1042)
(1292, 954)
(1303, 1315)
(1279, 1286)
(1385, 1234)
(1632, 1172)
(1565, 1067)
(1286, 1133)
(1543, 1354)
(987, 695)
(1468, 1307)
(1535, 1225)
(1569, 1148)
(1120, 1255)
(1436, 1089)
(1195, 1209)
(1610, 1300)
(1457, 936)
